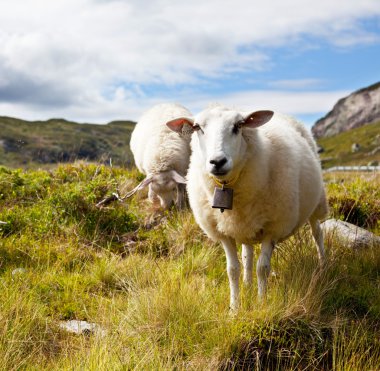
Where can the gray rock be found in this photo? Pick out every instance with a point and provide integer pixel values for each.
(359, 108)
(374, 151)
(349, 234)
(18, 272)
(82, 327)
(373, 163)
(355, 147)
(376, 140)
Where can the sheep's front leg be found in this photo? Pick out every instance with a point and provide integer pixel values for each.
(233, 271)
(247, 258)
(263, 267)
(153, 198)
(181, 199)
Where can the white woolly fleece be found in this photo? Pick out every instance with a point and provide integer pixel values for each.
(155, 147)
(278, 189)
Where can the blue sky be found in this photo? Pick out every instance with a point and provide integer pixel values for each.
(101, 60)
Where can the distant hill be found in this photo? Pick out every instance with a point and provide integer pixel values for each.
(359, 108)
(43, 143)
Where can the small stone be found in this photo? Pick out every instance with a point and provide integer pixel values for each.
(81, 327)
(18, 272)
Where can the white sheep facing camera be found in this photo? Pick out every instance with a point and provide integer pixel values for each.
(270, 163)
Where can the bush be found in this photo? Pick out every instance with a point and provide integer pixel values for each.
(60, 202)
(356, 200)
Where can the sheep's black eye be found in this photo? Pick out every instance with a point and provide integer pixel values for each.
(236, 127)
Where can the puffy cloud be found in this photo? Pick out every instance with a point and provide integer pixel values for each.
(77, 55)
(129, 104)
(295, 84)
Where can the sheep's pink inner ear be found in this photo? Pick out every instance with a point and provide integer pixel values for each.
(258, 118)
(178, 178)
(177, 124)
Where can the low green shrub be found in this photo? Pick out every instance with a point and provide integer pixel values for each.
(355, 200)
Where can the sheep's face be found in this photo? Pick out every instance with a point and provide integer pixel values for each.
(219, 140)
(165, 188)
(162, 187)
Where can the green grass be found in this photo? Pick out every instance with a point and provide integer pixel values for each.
(159, 287)
(337, 148)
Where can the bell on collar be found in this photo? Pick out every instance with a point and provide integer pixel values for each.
(223, 198)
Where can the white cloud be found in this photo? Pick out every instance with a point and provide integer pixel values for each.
(293, 103)
(296, 84)
(64, 56)
(125, 105)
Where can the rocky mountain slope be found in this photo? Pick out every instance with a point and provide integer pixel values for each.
(359, 108)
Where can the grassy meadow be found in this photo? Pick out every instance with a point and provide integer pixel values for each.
(158, 287)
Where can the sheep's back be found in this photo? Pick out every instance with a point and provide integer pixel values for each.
(294, 176)
(154, 146)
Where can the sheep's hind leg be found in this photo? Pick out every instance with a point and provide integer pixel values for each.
(263, 267)
(233, 271)
(247, 258)
(318, 237)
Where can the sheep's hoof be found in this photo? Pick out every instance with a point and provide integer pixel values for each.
(233, 312)
(262, 296)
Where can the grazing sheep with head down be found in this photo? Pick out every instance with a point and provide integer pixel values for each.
(163, 156)
(263, 169)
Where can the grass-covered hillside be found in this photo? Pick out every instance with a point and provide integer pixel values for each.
(47, 143)
(338, 148)
(159, 289)
(43, 143)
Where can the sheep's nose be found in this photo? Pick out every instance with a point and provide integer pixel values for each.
(218, 162)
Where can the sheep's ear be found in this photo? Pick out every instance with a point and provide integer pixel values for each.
(177, 124)
(142, 185)
(178, 178)
(258, 118)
